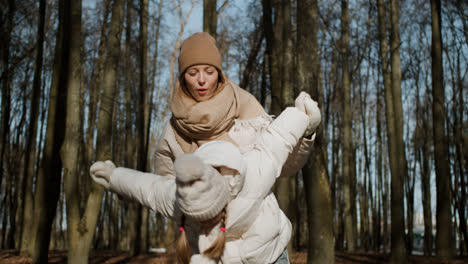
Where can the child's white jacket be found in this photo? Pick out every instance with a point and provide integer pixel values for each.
(257, 230)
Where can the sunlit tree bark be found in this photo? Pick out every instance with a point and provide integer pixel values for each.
(398, 250)
(81, 226)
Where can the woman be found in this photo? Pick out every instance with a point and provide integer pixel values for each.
(207, 106)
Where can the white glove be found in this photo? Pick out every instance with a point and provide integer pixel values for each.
(200, 259)
(305, 104)
(101, 172)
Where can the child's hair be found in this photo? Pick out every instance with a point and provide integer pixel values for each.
(215, 251)
(182, 246)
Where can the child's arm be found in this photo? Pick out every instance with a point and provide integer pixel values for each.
(152, 191)
(271, 150)
(300, 154)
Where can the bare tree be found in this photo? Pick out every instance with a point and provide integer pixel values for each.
(81, 226)
(183, 23)
(278, 35)
(70, 147)
(6, 82)
(27, 236)
(444, 241)
(140, 215)
(397, 214)
(347, 158)
(252, 58)
(96, 76)
(49, 173)
(316, 186)
(210, 17)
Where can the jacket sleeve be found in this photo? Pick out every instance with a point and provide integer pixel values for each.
(272, 148)
(298, 157)
(164, 156)
(152, 191)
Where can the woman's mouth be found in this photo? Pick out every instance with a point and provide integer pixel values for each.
(202, 91)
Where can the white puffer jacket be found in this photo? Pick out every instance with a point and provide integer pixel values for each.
(257, 230)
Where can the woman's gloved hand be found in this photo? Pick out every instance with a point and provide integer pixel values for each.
(101, 172)
(310, 108)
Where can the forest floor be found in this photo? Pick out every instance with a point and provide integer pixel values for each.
(114, 257)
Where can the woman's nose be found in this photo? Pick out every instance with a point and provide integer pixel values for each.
(201, 78)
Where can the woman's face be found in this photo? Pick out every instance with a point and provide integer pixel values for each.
(201, 81)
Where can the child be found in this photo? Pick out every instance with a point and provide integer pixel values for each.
(221, 198)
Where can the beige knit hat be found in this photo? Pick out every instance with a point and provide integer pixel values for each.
(202, 192)
(199, 48)
(220, 154)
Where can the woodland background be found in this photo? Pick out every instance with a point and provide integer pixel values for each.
(89, 80)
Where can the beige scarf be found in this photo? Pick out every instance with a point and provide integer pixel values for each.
(196, 123)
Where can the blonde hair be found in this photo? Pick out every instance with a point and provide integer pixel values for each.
(182, 246)
(215, 251)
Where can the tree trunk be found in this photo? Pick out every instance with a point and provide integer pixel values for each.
(129, 157)
(347, 159)
(316, 185)
(81, 228)
(146, 117)
(252, 59)
(397, 213)
(183, 23)
(114, 224)
(458, 113)
(6, 90)
(367, 193)
(423, 158)
(380, 186)
(49, 174)
(280, 58)
(27, 237)
(426, 190)
(13, 202)
(140, 222)
(70, 147)
(386, 205)
(285, 186)
(410, 209)
(398, 223)
(20, 181)
(263, 84)
(96, 77)
(273, 33)
(210, 17)
(444, 240)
